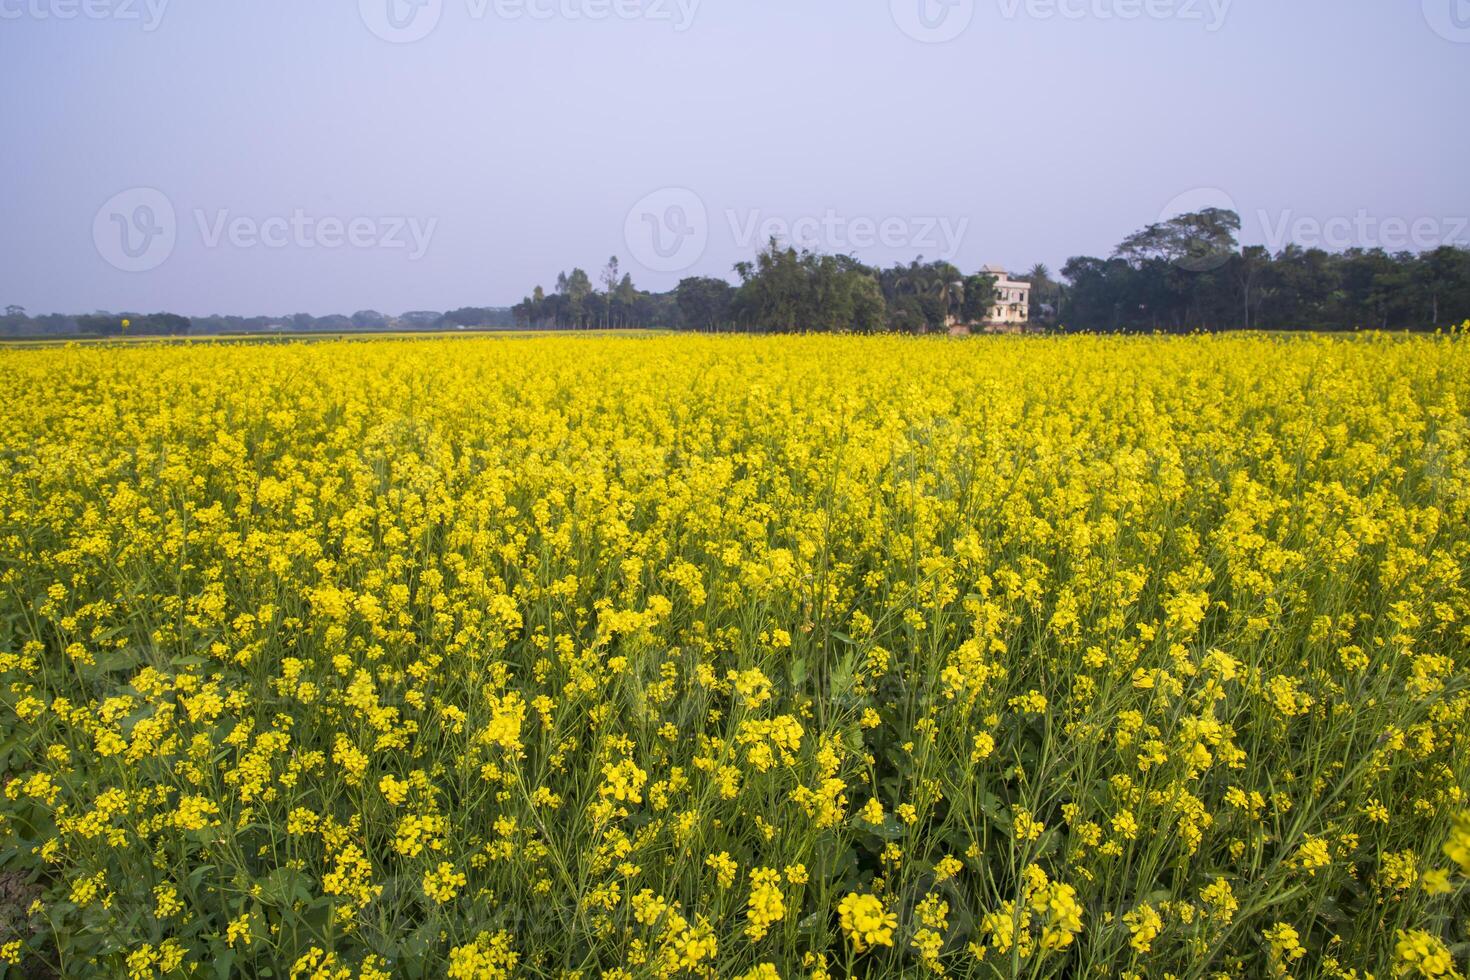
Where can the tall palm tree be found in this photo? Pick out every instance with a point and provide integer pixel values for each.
(1042, 288)
(953, 295)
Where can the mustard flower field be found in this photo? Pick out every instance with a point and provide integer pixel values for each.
(737, 657)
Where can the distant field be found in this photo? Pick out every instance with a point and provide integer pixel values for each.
(311, 335)
(736, 657)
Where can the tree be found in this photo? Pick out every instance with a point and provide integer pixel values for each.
(1248, 268)
(979, 298)
(15, 322)
(610, 278)
(99, 324)
(625, 297)
(1197, 242)
(789, 290)
(578, 287)
(1443, 277)
(922, 296)
(575, 305)
(152, 325)
(845, 296)
(1299, 290)
(771, 294)
(1045, 292)
(704, 303)
(1097, 298)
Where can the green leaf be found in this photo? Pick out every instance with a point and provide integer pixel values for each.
(284, 887)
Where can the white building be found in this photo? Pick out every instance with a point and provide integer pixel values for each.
(1012, 306)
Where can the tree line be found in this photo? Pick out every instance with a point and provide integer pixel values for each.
(17, 323)
(576, 303)
(1181, 274)
(783, 289)
(1189, 273)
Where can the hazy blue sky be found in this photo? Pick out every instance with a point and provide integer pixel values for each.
(316, 158)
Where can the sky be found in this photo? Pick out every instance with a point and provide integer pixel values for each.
(282, 156)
